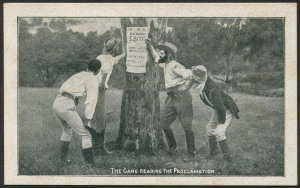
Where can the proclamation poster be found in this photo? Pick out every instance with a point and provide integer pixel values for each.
(136, 49)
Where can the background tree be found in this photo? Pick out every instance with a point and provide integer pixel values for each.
(232, 49)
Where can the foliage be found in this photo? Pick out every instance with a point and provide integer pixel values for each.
(272, 79)
(54, 51)
(226, 46)
(230, 46)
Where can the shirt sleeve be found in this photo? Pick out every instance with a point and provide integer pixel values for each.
(92, 97)
(99, 77)
(156, 59)
(107, 78)
(154, 53)
(182, 71)
(117, 59)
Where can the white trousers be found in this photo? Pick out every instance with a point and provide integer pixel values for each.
(65, 111)
(214, 128)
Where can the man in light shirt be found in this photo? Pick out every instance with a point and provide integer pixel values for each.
(108, 59)
(179, 100)
(81, 84)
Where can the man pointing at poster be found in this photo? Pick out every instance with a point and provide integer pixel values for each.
(108, 58)
(179, 100)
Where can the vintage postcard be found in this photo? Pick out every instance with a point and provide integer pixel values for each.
(150, 94)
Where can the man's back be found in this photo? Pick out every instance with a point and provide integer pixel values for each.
(76, 84)
(175, 74)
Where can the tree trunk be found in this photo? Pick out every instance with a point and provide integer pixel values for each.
(140, 129)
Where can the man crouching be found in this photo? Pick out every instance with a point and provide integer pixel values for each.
(81, 84)
(224, 106)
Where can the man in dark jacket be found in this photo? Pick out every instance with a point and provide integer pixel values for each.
(224, 107)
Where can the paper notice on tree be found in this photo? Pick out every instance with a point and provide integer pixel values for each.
(136, 49)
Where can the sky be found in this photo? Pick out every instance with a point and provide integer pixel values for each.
(101, 25)
(96, 24)
(86, 24)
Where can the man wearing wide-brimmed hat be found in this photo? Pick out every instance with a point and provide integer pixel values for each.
(179, 100)
(224, 106)
(108, 58)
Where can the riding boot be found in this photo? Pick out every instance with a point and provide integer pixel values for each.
(64, 148)
(213, 146)
(171, 141)
(190, 141)
(225, 150)
(88, 155)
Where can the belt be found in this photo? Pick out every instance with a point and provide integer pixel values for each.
(173, 89)
(172, 94)
(68, 95)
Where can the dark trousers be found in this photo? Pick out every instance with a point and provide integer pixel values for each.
(99, 123)
(179, 104)
(181, 107)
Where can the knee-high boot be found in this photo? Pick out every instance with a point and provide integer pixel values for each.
(190, 141)
(88, 155)
(171, 141)
(64, 149)
(225, 150)
(213, 146)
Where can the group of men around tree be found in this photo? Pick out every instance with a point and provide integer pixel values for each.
(91, 86)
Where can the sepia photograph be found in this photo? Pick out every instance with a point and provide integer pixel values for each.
(166, 96)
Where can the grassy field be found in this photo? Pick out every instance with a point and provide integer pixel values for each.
(256, 140)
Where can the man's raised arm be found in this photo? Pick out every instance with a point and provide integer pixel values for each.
(153, 52)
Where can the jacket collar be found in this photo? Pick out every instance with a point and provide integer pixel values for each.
(201, 86)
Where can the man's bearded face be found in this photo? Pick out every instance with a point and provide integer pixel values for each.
(163, 56)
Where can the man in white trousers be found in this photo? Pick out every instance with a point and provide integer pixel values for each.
(224, 107)
(81, 84)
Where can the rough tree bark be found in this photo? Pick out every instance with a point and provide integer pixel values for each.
(140, 128)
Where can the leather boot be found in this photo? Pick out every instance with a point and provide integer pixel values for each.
(171, 141)
(64, 148)
(190, 142)
(213, 146)
(88, 155)
(225, 150)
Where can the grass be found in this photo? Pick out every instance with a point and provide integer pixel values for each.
(256, 140)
